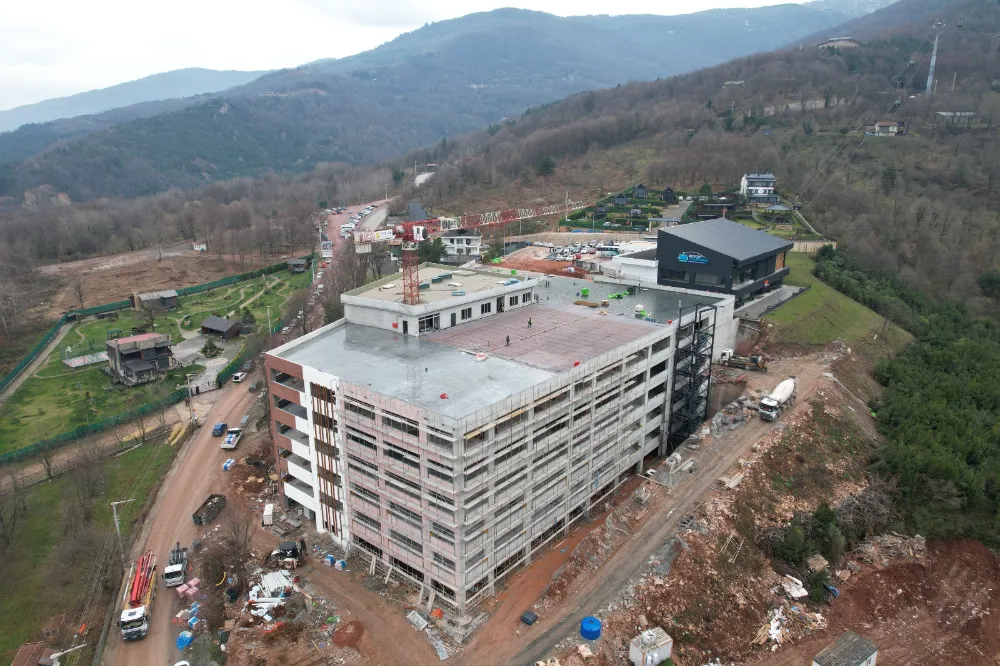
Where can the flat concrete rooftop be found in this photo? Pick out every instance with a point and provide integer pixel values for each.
(560, 335)
(415, 370)
(390, 290)
(662, 305)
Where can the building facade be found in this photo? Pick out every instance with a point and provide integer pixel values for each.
(461, 246)
(758, 187)
(138, 359)
(455, 448)
(721, 256)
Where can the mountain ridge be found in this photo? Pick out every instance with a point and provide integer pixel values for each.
(175, 84)
(444, 79)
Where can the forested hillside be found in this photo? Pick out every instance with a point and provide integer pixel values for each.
(443, 79)
(912, 203)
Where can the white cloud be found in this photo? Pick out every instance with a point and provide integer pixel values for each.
(50, 48)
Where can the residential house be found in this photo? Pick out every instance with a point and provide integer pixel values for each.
(758, 188)
(620, 200)
(138, 359)
(640, 191)
(600, 212)
(885, 128)
(669, 195)
(461, 245)
(220, 327)
(848, 650)
(155, 300)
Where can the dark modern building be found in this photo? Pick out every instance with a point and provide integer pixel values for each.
(220, 327)
(722, 256)
(139, 358)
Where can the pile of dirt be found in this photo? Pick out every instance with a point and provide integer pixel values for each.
(942, 611)
(595, 549)
(349, 634)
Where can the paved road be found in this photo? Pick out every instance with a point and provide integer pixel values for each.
(194, 475)
(760, 307)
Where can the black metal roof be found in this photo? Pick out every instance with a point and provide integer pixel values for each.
(219, 324)
(729, 238)
(848, 650)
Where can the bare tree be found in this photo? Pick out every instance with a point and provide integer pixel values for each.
(86, 471)
(79, 290)
(11, 311)
(48, 458)
(13, 504)
(237, 530)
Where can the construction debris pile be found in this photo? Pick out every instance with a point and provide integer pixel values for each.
(788, 622)
(282, 612)
(879, 550)
(734, 415)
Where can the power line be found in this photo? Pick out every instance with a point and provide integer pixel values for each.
(863, 119)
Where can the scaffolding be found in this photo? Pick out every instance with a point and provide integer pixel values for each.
(692, 372)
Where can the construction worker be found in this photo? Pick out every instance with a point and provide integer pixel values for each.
(508, 341)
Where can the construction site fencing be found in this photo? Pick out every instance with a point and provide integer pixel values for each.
(107, 307)
(94, 428)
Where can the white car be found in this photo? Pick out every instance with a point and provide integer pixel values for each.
(239, 376)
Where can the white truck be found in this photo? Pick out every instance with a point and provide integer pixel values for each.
(175, 571)
(232, 438)
(137, 602)
(781, 397)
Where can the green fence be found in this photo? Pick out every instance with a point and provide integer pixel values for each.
(175, 397)
(62, 439)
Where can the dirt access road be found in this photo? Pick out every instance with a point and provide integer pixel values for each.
(195, 474)
(507, 642)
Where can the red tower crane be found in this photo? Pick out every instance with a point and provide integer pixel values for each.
(410, 234)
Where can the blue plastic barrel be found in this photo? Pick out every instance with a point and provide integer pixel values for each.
(590, 628)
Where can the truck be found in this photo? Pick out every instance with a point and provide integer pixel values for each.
(209, 509)
(781, 397)
(137, 602)
(232, 438)
(175, 571)
(734, 360)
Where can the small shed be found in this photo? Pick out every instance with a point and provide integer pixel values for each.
(220, 327)
(848, 650)
(635, 212)
(33, 654)
(640, 191)
(620, 200)
(669, 195)
(600, 212)
(297, 265)
(156, 300)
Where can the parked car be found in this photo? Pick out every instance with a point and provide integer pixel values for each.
(253, 386)
(238, 377)
(219, 429)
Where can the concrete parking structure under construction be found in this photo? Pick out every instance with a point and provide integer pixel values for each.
(455, 438)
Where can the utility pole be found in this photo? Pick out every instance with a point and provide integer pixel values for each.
(114, 511)
(188, 376)
(269, 329)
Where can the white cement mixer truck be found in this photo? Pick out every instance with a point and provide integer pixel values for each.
(781, 397)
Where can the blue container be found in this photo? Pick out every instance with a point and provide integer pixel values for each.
(590, 628)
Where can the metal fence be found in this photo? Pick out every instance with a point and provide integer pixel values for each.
(61, 439)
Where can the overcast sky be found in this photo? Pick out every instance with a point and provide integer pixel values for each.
(51, 48)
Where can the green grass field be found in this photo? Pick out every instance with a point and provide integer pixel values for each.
(57, 399)
(822, 314)
(31, 594)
